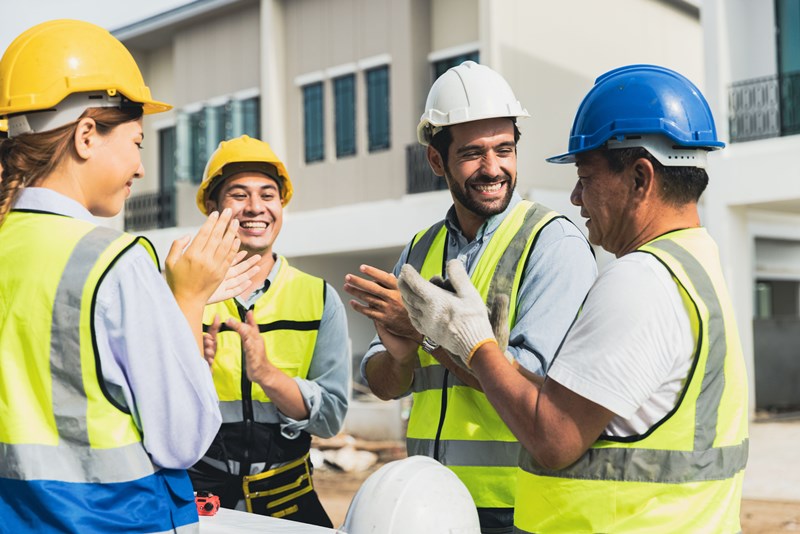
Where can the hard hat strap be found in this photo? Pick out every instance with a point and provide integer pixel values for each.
(67, 111)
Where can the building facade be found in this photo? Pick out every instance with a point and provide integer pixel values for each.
(752, 63)
(337, 88)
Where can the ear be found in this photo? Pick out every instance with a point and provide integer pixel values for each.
(435, 161)
(644, 177)
(85, 137)
(211, 205)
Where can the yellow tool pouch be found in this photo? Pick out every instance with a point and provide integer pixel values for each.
(276, 490)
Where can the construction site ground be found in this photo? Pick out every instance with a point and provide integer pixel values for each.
(773, 465)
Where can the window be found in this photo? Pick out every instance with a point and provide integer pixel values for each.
(211, 124)
(344, 93)
(441, 66)
(250, 117)
(777, 299)
(217, 118)
(788, 35)
(378, 108)
(167, 157)
(168, 175)
(199, 141)
(313, 122)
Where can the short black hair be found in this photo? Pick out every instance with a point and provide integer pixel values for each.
(679, 185)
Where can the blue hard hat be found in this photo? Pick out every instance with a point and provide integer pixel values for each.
(641, 100)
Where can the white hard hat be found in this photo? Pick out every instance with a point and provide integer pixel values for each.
(468, 92)
(413, 495)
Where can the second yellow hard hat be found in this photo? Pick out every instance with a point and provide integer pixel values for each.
(242, 154)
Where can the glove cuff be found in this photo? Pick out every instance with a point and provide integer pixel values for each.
(472, 352)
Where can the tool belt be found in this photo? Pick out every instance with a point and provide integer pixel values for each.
(238, 445)
(277, 490)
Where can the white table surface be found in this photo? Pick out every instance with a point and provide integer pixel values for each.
(234, 522)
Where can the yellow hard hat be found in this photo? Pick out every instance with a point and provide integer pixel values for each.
(3, 127)
(242, 154)
(55, 59)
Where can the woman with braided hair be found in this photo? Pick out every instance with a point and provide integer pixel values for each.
(106, 397)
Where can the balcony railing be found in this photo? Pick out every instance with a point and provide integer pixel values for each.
(150, 210)
(764, 107)
(419, 176)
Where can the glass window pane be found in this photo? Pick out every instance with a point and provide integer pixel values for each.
(788, 35)
(763, 300)
(168, 174)
(167, 157)
(441, 66)
(216, 118)
(378, 120)
(197, 127)
(251, 117)
(313, 122)
(344, 91)
(788, 15)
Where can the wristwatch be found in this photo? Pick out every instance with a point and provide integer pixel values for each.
(429, 345)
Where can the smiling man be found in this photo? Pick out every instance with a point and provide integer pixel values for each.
(279, 352)
(520, 251)
(641, 422)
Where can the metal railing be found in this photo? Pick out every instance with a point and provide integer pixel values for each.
(754, 109)
(148, 211)
(764, 107)
(419, 176)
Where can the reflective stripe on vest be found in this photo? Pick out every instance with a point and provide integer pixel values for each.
(471, 439)
(685, 473)
(71, 457)
(58, 438)
(288, 315)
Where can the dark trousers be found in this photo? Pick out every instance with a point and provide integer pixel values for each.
(496, 520)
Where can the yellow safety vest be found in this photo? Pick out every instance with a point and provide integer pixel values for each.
(66, 446)
(450, 421)
(685, 473)
(288, 315)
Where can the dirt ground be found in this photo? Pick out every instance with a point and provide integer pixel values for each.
(336, 490)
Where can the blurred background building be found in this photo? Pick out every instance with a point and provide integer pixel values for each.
(337, 88)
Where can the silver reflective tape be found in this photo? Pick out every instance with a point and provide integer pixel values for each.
(70, 463)
(468, 452)
(69, 397)
(714, 376)
(431, 377)
(263, 412)
(503, 279)
(650, 465)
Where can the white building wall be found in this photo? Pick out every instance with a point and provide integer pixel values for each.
(217, 57)
(551, 53)
(754, 192)
(750, 39)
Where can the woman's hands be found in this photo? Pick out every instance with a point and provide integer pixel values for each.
(194, 272)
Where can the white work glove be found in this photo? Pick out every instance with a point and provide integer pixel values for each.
(458, 321)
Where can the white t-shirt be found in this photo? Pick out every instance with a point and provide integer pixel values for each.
(631, 348)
